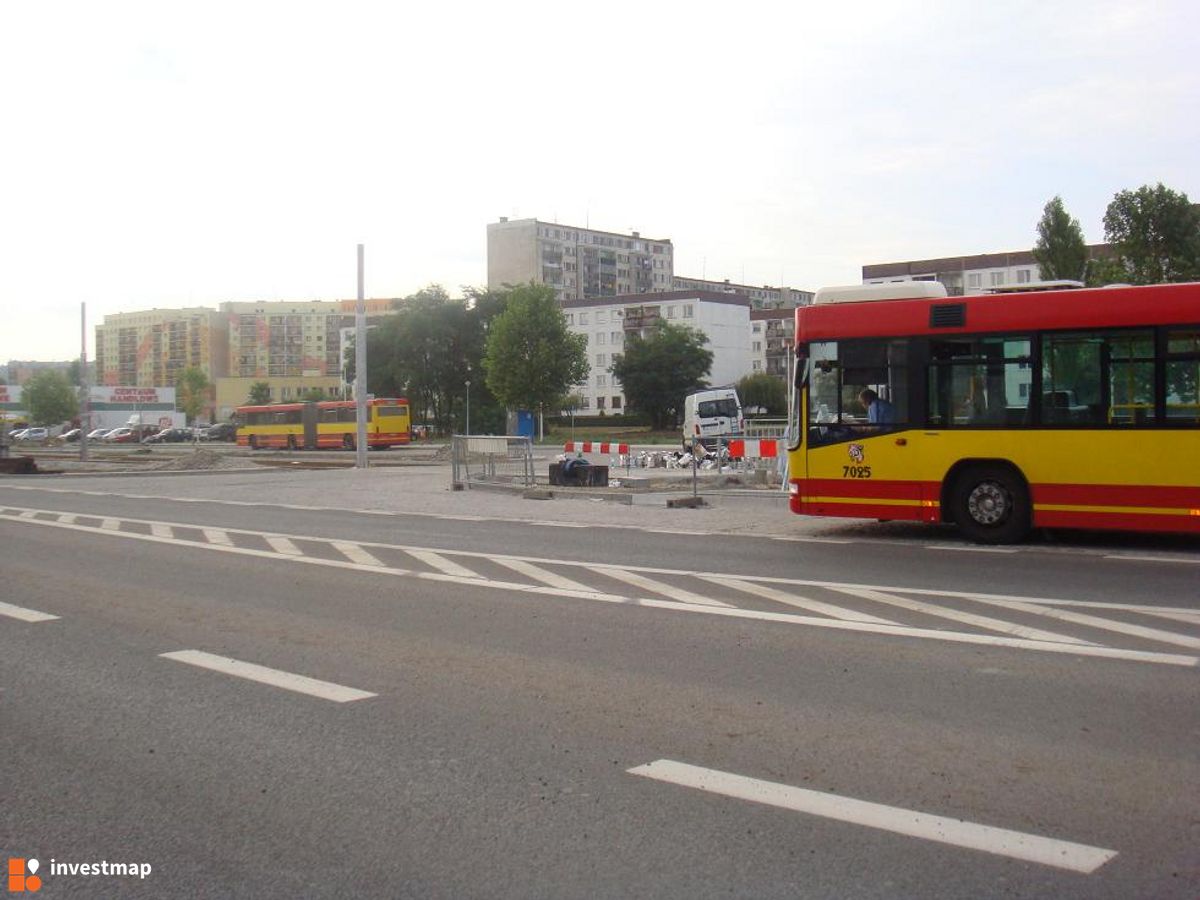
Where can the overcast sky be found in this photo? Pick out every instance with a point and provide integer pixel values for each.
(183, 154)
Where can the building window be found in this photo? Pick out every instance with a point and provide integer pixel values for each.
(997, 278)
(615, 337)
(616, 402)
(688, 310)
(756, 365)
(670, 312)
(601, 317)
(1024, 276)
(599, 403)
(601, 337)
(570, 318)
(587, 403)
(757, 328)
(757, 346)
(974, 280)
(601, 380)
(600, 359)
(583, 318)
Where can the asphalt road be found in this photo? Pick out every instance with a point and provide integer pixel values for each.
(569, 699)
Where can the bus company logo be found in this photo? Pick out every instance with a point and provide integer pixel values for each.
(856, 452)
(22, 876)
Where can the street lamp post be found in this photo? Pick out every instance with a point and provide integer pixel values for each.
(468, 407)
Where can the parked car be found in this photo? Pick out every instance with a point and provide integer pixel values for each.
(121, 436)
(16, 433)
(72, 435)
(222, 431)
(97, 434)
(169, 436)
(34, 434)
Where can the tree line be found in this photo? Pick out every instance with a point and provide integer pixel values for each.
(1153, 235)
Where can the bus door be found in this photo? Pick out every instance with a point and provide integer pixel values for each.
(309, 416)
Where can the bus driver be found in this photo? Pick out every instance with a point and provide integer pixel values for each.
(879, 411)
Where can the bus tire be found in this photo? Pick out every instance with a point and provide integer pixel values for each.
(291, 442)
(347, 442)
(253, 442)
(991, 505)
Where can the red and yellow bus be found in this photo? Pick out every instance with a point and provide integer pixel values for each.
(325, 424)
(1069, 408)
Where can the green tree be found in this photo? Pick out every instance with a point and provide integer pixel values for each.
(313, 395)
(658, 371)
(428, 351)
(50, 398)
(191, 392)
(1155, 233)
(530, 358)
(764, 391)
(1060, 249)
(260, 394)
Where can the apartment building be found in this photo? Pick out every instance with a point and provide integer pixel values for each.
(607, 323)
(151, 348)
(772, 336)
(764, 297)
(968, 274)
(579, 263)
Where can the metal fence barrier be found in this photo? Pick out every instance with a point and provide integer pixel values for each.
(507, 459)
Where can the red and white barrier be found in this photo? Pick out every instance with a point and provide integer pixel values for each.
(754, 449)
(589, 447)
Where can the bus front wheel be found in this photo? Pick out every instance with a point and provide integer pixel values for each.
(253, 442)
(991, 505)
(347, 442)
(291, 442)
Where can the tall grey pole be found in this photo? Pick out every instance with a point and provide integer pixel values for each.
(360, 369)
(468, 429)
(85, 418)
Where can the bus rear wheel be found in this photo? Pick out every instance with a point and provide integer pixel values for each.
(991, 505)
(253, 442)
(291, 443)
(347, 442)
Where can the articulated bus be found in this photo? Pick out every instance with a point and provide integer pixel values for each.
(325, 424)
(1002, 412)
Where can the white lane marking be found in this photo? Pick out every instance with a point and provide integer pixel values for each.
(971, 549)
(1165, 559)
(161, 529)
(942, 612)
(68, 519)
(1171, 659)
(1191, 616)
(23, 614)
(1152, 634)
(109, 524)
(217, 537)
(656, 587)
(802, 539)
(282, 545)
(1033, 848)
(28, 514)
(439, 562)
(537, 573)
(288, 681)
(825, 609)
(355, 553)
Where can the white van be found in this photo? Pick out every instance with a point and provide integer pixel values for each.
(712, 414)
